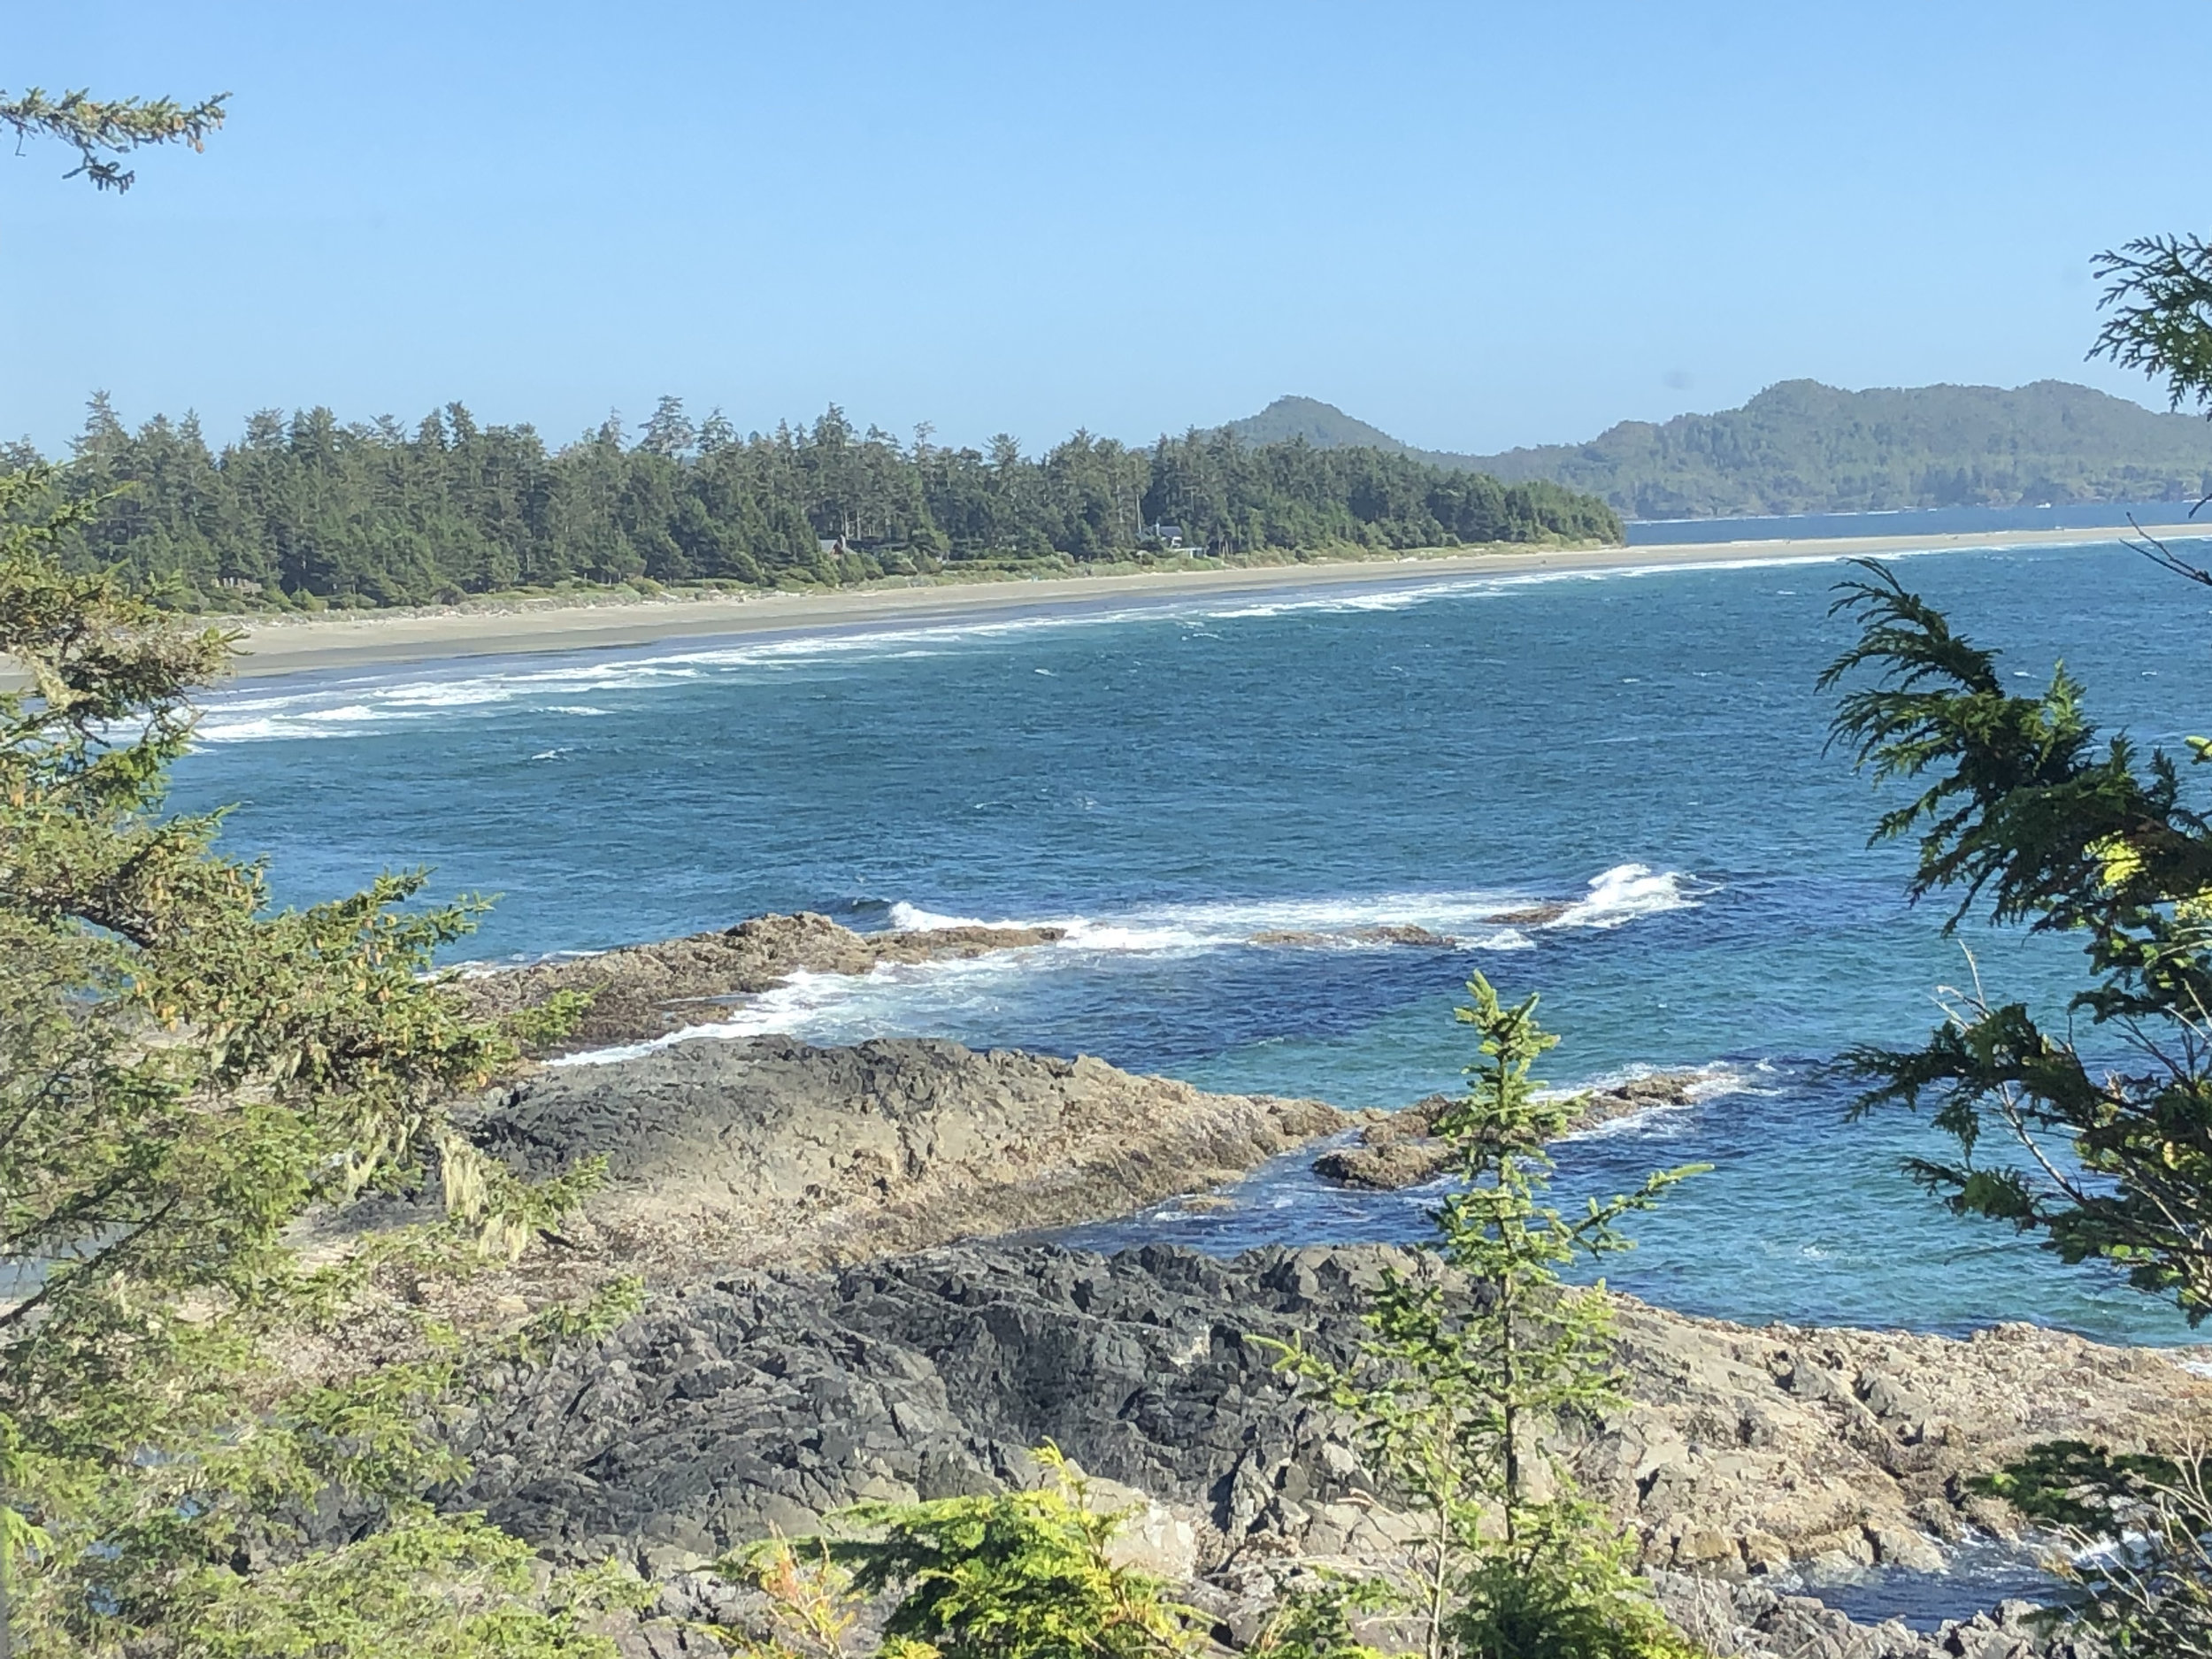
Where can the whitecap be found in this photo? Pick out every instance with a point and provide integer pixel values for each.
(1707, 1082)
(1467, 917)
(1502, 939)
(803, 996)
(1628, 892)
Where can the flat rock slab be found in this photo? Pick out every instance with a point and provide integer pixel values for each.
(733, 1152)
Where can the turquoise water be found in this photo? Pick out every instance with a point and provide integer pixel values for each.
(1170, 779)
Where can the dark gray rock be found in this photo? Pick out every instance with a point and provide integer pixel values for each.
(769, 1401)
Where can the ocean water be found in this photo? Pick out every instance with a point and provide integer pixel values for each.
(1170, 779)
(2163, 519)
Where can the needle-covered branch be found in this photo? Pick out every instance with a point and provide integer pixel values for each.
(2158, 297)
(103, 131)
(2025, 810)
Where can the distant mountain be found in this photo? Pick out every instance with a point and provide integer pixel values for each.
(1324, 426)
(1802, 447)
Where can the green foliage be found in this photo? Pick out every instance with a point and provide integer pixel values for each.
(424, 1586)
(2074, 1485)
(1316, 1621)
(2158, 291)
(2023, 807)
(1802, 447)
(1012, 1575)
(1457, 1395)
(811, 1604)
(183, 1074)
(2137, 1536)
(102, 130)
(1569, 1592)
(307, 509)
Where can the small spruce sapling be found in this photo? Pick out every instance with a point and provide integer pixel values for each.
(1458, 1385)
(1005, 1575)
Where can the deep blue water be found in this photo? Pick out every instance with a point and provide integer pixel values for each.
(1171, 780)
(2157, 516)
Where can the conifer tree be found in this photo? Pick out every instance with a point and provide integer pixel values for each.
(184, 1074)
(2095, 1135)
(1461, 1385)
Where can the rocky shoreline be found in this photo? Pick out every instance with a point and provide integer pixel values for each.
(766, 1402)
(1400, 1148)
(830, 1322)
(773, 1399)
(648, 992)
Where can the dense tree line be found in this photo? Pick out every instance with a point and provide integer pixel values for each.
(310, 508)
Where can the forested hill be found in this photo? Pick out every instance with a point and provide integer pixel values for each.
(308, 510)
(1802, 447)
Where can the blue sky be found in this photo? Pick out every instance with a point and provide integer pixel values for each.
(1473, 225)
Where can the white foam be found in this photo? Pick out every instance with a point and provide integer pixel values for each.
(351, 707)
(1625, 892)
(787, 1007)
(1502, 939)
(1468, 916)
(1207, 926)
(1707, 1082)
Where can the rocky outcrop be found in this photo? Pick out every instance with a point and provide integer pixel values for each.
(641, 992)
(1382, 933)
(1400, 1148)
(768, 1400)
(732, 1153)
(1541, 914)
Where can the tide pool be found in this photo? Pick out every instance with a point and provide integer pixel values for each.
(1167, 782)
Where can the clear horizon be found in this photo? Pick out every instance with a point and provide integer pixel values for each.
(1473, 228)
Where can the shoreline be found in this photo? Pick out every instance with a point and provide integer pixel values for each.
(270, 647)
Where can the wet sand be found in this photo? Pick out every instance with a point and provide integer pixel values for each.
(294, 644)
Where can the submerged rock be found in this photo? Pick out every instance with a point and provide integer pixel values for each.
(641, 992)
(1538, 915)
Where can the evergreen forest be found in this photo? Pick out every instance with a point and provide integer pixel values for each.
(309, 510)
(1802, 447)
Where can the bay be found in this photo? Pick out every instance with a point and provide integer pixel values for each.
(1170, 781)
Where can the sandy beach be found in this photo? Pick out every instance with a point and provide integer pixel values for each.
(294, 644)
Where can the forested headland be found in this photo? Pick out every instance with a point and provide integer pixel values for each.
(306, 510)
(1802, 447)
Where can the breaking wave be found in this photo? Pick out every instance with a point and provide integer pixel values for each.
(947, 992)
(1474, 919)
(358, 705)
